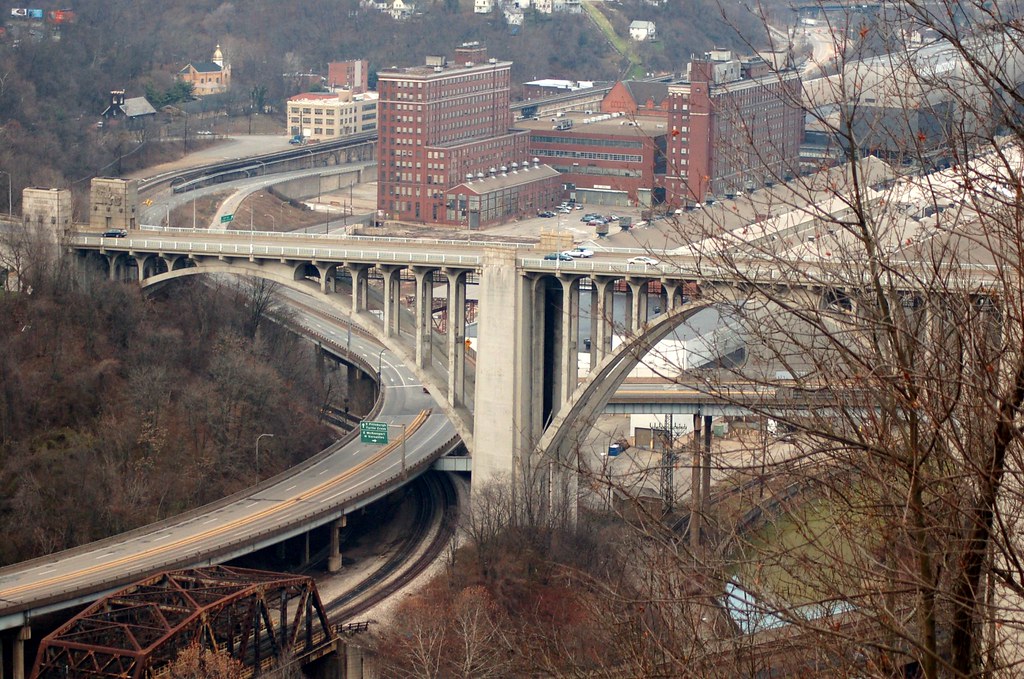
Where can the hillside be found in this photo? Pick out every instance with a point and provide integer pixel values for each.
(52, 92)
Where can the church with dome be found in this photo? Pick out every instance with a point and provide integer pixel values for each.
(208, 77)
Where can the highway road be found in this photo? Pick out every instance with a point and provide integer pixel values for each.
(346, 476)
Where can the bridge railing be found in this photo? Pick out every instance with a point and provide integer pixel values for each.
(357, 238)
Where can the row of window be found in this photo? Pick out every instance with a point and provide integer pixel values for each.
(584, 141)
(587, 155)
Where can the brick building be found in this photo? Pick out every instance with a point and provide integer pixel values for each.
(637, 98)
(440, 124)
(350, 75)
(734, 124)
(607, 159)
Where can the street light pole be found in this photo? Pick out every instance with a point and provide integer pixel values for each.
(273, 220)
(258, 454)
(380, 364)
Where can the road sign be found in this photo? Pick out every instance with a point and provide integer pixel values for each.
(373, 432)
(224, 219)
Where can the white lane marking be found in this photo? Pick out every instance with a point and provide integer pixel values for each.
(289, 488)
(210, 521)
(105, 556)
(323, 472)
(162, 537)
(49, 570)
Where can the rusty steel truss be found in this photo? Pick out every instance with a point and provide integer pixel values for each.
(255, 616)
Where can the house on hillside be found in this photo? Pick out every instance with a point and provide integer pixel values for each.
(483, 6)
(208, 77)
(133, 110)
(642, 30)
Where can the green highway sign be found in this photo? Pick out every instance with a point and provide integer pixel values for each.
(224, 219)
(373, 432)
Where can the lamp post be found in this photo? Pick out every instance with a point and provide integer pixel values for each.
(258, 454)
(10, 200)
(168, 209)
(273, 220)
(380, 364)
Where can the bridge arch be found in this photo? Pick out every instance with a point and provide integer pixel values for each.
(288, 276)
(590, 398)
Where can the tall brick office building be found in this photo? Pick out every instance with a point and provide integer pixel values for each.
(445, 132)
(734, 124)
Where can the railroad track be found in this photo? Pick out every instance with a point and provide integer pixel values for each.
(436, 493)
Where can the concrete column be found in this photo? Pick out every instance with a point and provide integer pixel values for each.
(360, 282)
(534, 310)
(424, 315)
(568, 345)
(602, 307)
(392, 300)
(114, 267)
(695, 480)
(671, 289)
(637, 305)
(18, 653)
(327, 281)
(502, 428)
(305, 548)
(140, 265)
(456, 336)
(334, 559)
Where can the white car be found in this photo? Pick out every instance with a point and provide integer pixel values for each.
(647, 261)
(580, 253)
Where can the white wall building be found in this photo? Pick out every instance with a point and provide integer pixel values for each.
(642, 30)
(483, 6)
(328, 115)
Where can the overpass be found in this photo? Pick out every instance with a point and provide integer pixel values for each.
(528, 322)
(346, 476)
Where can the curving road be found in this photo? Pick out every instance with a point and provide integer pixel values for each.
(346, 476)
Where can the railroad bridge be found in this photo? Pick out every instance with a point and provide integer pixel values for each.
(254, 617)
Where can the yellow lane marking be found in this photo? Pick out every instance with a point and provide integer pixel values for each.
(237, 523)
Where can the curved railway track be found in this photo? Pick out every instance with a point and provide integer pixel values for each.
(438, 495)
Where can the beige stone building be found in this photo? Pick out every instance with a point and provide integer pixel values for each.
(321, 115)
(113, 203)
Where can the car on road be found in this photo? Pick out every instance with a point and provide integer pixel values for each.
(558, 257)
(579, 253)
(115, 233)
(647, 261)
(545, 213)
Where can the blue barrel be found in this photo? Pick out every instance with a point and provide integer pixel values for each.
(614, 449)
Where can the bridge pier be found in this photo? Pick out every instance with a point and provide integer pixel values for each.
(637, 314)
(392, 300)
(18, 653)
(700, 477)
(360, 285)
(424, 314)
(334, 558)
(568, 340)
(456, 336)
(503, 428)
(601, 318)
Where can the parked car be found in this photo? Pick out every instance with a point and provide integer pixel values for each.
(545, 213)
(579, 253)
(558, 257)
(579, 207)
(115, 233)
(648, 261)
